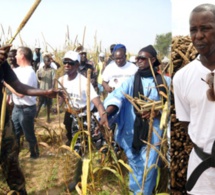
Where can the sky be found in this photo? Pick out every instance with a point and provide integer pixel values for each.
(134, 23)
(181, 10)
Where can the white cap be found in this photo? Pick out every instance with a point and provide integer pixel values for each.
(132, 59)
(72, 55)
(102, 55)
(165, 60)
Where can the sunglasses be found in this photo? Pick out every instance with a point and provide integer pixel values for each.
(141, 58)
(72, 63)
(210, 81)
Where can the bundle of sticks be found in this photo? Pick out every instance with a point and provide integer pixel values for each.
(182, 52)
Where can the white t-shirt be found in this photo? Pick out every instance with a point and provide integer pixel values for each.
(27, 76)
(193, 106)
(115, 75)
(76, 88)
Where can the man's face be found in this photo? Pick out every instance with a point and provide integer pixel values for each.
(12, 58)
(202, 32)
(70, 67)
(142, 60)
(37, 50)
(19, 56)
(102, 59)
(120, 58)
(47, 61)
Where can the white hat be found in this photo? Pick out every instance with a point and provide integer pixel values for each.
(132, 59)
(165, 60)
(102, 55)
(72, 55)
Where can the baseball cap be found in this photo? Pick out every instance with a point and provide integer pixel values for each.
(101, 54)
(119, 46)
(72, 55)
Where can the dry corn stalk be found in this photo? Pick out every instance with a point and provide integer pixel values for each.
(22, 24)
(142, 106)
(70, 108)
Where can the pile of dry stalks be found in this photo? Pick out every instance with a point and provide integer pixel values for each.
(183, 52)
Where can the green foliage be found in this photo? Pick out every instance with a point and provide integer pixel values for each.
(162, 44)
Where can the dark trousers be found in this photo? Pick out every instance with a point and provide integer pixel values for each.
(72, 126)
(9, 159)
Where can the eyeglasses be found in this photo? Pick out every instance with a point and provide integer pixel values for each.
(210, 81)
(72, 63)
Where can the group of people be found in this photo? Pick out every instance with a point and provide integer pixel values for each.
(194, 108)
(125, 76)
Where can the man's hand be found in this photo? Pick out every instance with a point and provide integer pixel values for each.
(146, 115)
(3, 53)
(103, 122)
(52, 93)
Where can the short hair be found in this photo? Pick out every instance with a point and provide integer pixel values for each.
(46, 56)
(205, 7)
(27, 52)
(13, 51)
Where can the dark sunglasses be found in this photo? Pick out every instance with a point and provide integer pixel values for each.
(141, 58)
(72, 63)
(210, 81)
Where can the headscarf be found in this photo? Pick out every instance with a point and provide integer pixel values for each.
(150, 49)
(141, 126)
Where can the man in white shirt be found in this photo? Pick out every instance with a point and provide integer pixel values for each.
(119, 70)
(76, 88)
(195, 101)
(24, 110)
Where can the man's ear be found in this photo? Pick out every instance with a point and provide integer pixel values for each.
(153, 60)
(77, 63)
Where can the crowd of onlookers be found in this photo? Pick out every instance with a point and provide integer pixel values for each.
(110, 77)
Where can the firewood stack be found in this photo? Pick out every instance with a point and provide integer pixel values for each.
(182, 53)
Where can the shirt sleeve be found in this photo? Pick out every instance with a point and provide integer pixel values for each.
(181, 104)
(117, 97)
(93, 93)
(105, 75)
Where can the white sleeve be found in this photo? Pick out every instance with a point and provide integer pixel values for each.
(181, 104)
(61, 80)
(93, 93)
(106, 75)
(53, 65)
